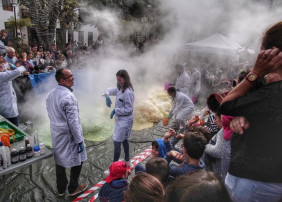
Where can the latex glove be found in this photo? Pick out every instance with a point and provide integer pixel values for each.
(113, 113)
(170, 115)
(108, 101)
(80, 147)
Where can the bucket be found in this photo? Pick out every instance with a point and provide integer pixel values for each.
(165, 121)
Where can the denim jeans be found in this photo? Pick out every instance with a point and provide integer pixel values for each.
(242, 189)
(117, 150)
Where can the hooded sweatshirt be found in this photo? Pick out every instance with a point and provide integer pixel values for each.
(162, 148)
(113, 191)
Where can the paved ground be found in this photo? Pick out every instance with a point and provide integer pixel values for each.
(100, 155)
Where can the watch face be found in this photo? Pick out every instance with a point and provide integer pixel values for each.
(252, 77)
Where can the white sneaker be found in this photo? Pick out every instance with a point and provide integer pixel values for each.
(107, 172)
(129, 163)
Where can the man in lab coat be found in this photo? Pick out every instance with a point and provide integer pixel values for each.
(8, 98)
(66, 131)
(183, 81)
(182, 109)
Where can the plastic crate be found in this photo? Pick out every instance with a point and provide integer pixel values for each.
(19, 135)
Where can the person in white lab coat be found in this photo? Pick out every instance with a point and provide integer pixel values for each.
(8, 98)
(123, 112)
(182, 109)
(195, 85)
(66, 131)
(183, 81)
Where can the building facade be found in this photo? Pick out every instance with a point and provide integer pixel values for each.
(86, 35)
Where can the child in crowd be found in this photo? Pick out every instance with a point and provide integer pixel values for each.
(158, 150)
(213, 101)
(197, 186)
(145, 188)
(158, 167)
(116, 183)
(193, 148)
(217, 152)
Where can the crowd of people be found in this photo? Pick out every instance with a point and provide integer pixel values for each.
(37, 60)
(229, 152)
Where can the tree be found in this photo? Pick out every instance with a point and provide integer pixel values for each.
(145, 13)
(68, 18)
(21, 23)
(44, 16)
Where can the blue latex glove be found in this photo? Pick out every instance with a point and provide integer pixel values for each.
(80, 147)
(170, 115)
(113, 113)
(108, 101)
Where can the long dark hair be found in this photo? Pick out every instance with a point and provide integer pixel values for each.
(127, 84)
(273, 37)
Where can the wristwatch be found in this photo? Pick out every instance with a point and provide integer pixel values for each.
(252, 77)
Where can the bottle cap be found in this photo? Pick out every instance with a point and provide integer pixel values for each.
(1, 144)
(36, 148)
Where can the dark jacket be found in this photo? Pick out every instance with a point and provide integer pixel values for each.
(113, 192)
(256, 154)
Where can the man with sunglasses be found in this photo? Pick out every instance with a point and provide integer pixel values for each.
(66, 131)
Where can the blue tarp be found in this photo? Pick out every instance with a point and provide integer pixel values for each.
(42, 82)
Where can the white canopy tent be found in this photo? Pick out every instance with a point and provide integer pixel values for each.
(216, 44)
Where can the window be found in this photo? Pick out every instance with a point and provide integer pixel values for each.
(81, 38)
(90, 38)
(7, 5)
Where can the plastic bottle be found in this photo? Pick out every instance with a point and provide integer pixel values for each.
(42, 148)
(8, 155)
(36, 151)
(14, 156)
(36, 140)
(22, 154)
(3, 155)
(28, 151)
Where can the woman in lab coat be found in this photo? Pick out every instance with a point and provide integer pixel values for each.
(123, 112)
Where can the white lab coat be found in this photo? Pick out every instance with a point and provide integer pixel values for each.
(124, 115)
(8, 98)
(195, 82)
(66, 130)
(182, 107)
(183, 83)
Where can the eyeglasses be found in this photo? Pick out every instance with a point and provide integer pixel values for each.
(68, 77)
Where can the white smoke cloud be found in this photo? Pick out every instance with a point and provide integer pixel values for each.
(184, 21)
